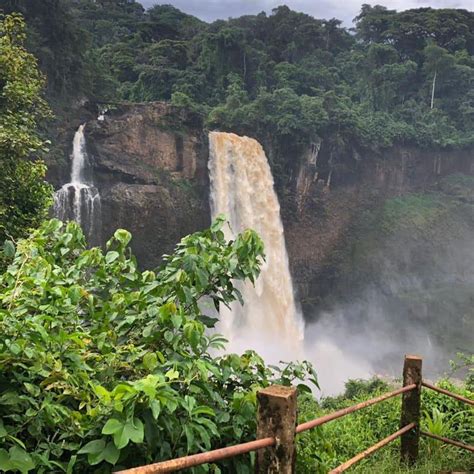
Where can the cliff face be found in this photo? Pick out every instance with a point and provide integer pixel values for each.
(150, 165)
(332, 211)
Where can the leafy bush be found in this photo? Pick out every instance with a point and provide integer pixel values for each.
(103, 365)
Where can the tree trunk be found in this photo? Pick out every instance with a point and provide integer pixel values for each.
(433, 89)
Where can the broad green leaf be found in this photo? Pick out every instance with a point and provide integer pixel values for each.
(130, 430)
(20, 459)
(111, 256)
(176, 319)
(102, 392)
(9, 248)
(93, 447)
(3, 431)
(95, 458)
(150, 361)
(172, 374)
(5, 464)
(111, 453)
(123, 236)
(32, 389)
(112, 426)
(155, 408)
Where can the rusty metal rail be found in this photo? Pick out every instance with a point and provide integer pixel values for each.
(448, 441)
(231, 451)
(345, 411)
(201, 458)
(344, 466)
(447, 392)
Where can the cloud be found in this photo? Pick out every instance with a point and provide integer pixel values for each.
(210, 10)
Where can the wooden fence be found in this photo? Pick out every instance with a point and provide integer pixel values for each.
(276, 429)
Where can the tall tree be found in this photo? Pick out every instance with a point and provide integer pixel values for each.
(437, 62)
(24, 195)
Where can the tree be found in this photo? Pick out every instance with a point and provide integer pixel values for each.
(24, 195)
(438, 61)
(59, 44)
(373, 22)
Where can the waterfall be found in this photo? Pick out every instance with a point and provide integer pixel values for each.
(242, 189)
(79, 200)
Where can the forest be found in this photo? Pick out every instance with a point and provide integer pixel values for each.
(402, 77)
(104, 365)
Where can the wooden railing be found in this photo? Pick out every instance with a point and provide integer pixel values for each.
(276, 429)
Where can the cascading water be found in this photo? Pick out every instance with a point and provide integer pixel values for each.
(79, 200)
(242, 189)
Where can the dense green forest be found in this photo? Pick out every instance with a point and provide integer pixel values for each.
(286, 78)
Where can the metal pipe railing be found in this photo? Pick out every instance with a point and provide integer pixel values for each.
(448, 393)
(346, 465)
(448, 441)
(201, 458)
(345, 411)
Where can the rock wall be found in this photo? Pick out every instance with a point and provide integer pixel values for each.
(150, 166)
(322, 222)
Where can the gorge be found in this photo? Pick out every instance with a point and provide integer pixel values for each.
(202, 223)
(384, 249)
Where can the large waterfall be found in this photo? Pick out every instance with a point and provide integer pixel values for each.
(79, 200)
(242, 189)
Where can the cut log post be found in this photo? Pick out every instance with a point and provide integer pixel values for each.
(276, 417)
(411, 409)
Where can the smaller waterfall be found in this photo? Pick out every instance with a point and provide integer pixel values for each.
(79, 200)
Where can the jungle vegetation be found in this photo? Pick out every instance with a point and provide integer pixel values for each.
(286, 77)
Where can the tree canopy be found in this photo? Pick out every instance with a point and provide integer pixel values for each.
(287, 75)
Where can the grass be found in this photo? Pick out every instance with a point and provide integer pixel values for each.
(327, 446)
(432, 459)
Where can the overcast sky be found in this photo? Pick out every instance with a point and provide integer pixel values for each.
(344, 10)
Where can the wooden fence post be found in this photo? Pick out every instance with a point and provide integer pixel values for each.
(411, 408)
(276, 417)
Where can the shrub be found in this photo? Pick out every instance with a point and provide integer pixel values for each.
(103, 365)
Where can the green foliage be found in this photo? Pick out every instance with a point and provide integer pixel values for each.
(24, 195)
(459, 186)
(414, 212)
(462, 363)
(60, 46)
(103, 365)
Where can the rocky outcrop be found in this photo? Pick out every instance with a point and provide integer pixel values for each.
(139, 142)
